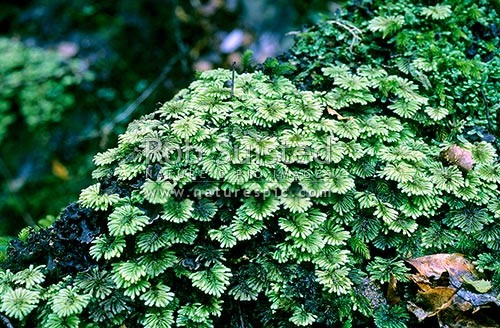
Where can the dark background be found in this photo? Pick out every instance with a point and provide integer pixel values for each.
(93, 66)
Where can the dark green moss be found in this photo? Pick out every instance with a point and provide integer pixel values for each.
(289, 197)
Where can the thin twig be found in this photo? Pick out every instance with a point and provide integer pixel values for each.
(232, 80)
(131, 108)
(125, 114)
(178, 39)
(332, 111)
(5, 321)
(351, 29)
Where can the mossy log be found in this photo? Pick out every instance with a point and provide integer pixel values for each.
(274, 200)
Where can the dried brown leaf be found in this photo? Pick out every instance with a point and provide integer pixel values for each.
(421, 281)
(437, 299)
(59, 170)
(392, 293)
(459, 157)
(433, 267)
(332, 111)
(455, 304)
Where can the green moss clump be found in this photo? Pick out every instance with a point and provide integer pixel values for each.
(277, 203)
(34, 85)
(37, 100)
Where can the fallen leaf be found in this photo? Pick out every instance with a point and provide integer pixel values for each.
(436, 299)
(459, 156)
(59, 170)
(332, 111)
(433, 267)
(450, 289)
(480, 285)
(421, 281)
(455, 318)
(392, 293)
(429, 303)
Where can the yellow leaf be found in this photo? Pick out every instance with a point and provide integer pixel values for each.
(482, 286)
(59, 170)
